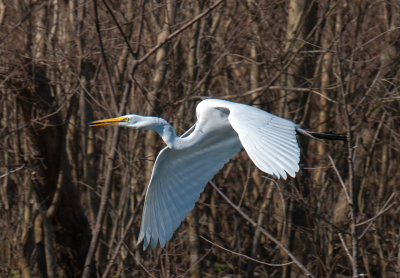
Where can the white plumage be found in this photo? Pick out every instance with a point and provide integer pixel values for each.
(183, 168)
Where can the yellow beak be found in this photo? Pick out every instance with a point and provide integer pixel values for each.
(112, 121)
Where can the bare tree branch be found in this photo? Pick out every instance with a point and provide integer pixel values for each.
(267, 234)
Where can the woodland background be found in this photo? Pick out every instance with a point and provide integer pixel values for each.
(71, 196)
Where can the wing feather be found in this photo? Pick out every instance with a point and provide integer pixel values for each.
(270, 141)
(178, 178)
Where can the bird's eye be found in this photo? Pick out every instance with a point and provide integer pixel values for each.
(125, 119)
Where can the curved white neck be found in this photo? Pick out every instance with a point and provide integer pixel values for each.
(164, 129)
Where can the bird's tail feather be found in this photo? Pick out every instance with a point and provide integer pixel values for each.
(328, 135)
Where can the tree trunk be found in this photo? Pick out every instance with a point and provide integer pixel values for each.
(63, 221)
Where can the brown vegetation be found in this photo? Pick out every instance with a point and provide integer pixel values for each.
(71, 196)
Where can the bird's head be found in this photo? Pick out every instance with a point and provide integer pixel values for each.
(134, 121)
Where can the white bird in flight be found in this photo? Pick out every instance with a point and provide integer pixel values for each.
(185, 166)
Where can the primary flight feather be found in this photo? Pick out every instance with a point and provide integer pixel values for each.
(184, 167)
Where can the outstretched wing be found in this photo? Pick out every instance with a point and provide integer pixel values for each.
(270, 141)
(178, 178)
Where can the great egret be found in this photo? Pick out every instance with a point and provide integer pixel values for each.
(184, 167)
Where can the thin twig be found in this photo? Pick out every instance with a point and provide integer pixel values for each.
(12, 171)
(384, 209)
(196, 263)
(243, 255)
(104, 57)
(284, 224)
(341, 181)
(120, 29)
(370, 221)
(345, 247)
